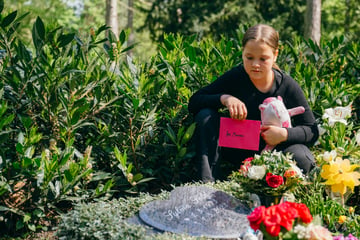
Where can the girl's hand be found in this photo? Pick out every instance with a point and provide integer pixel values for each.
(236, 107)
(273, 135)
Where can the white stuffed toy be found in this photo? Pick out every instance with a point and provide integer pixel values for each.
(274, 112)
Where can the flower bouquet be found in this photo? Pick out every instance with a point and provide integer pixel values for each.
(288, 220)
(270, 174)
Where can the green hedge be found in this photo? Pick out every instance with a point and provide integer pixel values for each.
(81, 120)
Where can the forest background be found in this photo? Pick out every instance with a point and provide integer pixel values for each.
(147, 20)
(85, 117)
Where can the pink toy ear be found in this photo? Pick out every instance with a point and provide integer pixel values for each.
(268, 100)
(296, 111)
(261, 107)
(280, 98)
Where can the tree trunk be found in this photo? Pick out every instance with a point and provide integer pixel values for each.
(347, 16)
(112, 16)
(313, 20)
(130, 23)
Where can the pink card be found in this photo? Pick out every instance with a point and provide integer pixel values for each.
(244, 134)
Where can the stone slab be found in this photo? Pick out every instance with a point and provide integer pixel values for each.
(198, 211)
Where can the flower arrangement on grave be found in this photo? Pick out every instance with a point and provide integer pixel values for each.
(288, 220)
(340, 174)
(272, 174)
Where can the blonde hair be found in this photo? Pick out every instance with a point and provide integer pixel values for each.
(263, 33)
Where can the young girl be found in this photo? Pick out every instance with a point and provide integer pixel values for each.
(241, 90)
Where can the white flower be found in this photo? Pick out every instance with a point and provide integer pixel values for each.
(321, 130)
(249, 236)
(329, 156)
(301, 231)
(256, 172)
(337, 114)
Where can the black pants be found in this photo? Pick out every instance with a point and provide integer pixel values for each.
(214, 162)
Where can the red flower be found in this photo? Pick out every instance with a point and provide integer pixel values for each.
(256, 217)
(274, 181)
(272, 220)
(304, 213)
(288, 214)
(248, 160)
(279, 216)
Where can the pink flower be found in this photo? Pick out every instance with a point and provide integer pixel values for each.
(349, 237)
(319, 233)
(245, 166)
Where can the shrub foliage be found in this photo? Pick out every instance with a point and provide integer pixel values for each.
(80, 120)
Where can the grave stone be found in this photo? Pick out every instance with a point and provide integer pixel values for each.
(198, 211)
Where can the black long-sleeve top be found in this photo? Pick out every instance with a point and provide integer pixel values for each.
(237, 83)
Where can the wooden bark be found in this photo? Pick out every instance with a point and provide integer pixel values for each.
(112, 16)
(130, 23)
(313, 20)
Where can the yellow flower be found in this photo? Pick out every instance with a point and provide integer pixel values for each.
(351, 210)
(342, 219)
(340, 175)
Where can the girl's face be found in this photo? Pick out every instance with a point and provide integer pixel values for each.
(258, 59)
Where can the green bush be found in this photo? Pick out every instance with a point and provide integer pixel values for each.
(80, 120)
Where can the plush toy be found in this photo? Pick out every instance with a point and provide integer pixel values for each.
(274, 112)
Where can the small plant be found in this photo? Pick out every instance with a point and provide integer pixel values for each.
(337, 131)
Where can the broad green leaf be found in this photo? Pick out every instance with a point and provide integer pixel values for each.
(26, 121)
(111, 37)
(38, 213)
(169, 45)
(1, 5)
(188, 134)
(66, 158)
(122, 37)
(191, 53)
(5, 121)
(68, 176)
(32, 227)
(145, 180)
(182, 152)
(101, 29)
(8, 19)
(19, 148)
(136, 103)
(40, 28)
(65, 39)
(117, 153)
(26, 162)
(38, 33)
(128, 48)
(138, 177)
(19, 225)
(179, 82)
(27, 217)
